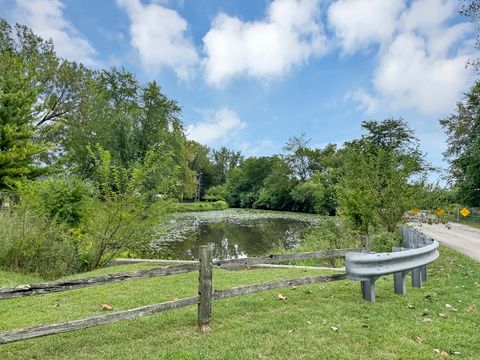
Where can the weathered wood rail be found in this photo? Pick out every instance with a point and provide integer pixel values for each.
(66, 285)
(204, 299)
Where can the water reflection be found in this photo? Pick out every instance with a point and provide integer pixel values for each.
(230, 239)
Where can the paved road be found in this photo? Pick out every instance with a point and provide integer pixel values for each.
(462, 238)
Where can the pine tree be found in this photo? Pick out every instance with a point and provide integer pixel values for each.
(18, 150)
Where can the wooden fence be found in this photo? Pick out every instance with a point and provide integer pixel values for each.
(204, 299)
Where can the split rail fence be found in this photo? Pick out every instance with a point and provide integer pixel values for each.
(204, 299)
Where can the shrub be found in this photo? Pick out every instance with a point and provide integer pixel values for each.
(199, 206)
(30, 242)
(66, 199)
(385, 241)
(332, 233)
(217, 193)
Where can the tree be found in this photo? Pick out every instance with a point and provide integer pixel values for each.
(472, 10)
(377, 184)
(276, 188)
(18, 150)
(463, 152)
(297, 155)
(246, 181)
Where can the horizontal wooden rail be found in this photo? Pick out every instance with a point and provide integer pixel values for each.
(66, 285)
(252, 289)
(152, 261)
(51, 329)
(39, 331)
(270, 259)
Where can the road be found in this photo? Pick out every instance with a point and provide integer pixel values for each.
(463, 238)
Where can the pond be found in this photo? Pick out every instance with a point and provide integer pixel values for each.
(234, 233)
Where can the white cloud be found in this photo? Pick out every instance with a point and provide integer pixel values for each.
(46, 18)
(421, 58)
(408, 76)
(289, 35)
(159, 35)
(359, 23)
(367, 102)
(217, 126)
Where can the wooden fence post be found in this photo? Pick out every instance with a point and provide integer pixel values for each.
(205, 288)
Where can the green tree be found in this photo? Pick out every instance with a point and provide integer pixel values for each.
(377, 185)
(19, 151)
(463, 152)
(246, 181)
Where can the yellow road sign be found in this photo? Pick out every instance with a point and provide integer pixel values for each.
(465, 212)
(440, 212)
(415, 211)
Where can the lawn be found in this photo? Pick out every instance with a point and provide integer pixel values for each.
(259, 326)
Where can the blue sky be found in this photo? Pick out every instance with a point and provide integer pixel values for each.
(251, 73)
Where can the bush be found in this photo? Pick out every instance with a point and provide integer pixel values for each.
(217, 193)
(65, 199)
(30, 242)
(385, 241)
(331, 234)
(199, 206)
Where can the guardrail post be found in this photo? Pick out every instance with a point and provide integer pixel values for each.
(205, 288)
(399, 278)
(368, 289)
(417, 277)
(366, 245)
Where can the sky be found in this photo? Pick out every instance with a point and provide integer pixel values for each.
(249, 74)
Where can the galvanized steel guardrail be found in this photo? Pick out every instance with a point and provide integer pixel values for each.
(418, 251)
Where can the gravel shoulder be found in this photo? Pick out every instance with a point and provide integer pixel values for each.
(463, 238)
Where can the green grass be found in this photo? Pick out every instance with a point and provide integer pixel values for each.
(200, 206)
(259, 326)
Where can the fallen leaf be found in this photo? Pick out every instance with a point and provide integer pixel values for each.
(436, 351)
(427, 320)
(443, 354)
(334, 328)
(281, 297)
(309, 322)
(442, 315)
(410, 306)
(454, 309)
(291, 331)
(448, 306)
(324, 322)
(293, 287)
(106, 307)
(418, 339)
(472, 308)
(455, 352)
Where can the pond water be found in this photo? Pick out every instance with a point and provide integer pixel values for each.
(233, 233)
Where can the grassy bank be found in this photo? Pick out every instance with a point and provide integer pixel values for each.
(200, 206)
(259, 326)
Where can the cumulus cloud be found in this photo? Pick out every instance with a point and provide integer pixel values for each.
(288, 35)
(159, 35)
(46, 18)
(359, 23)
(216, 126)
(420, 64)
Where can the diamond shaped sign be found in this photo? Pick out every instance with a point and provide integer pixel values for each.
(440, 212)
(415, 211)
(465, 212)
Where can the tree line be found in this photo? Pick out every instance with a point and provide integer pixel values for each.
(92, 159)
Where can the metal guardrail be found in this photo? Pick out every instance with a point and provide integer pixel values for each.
(418, 251)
